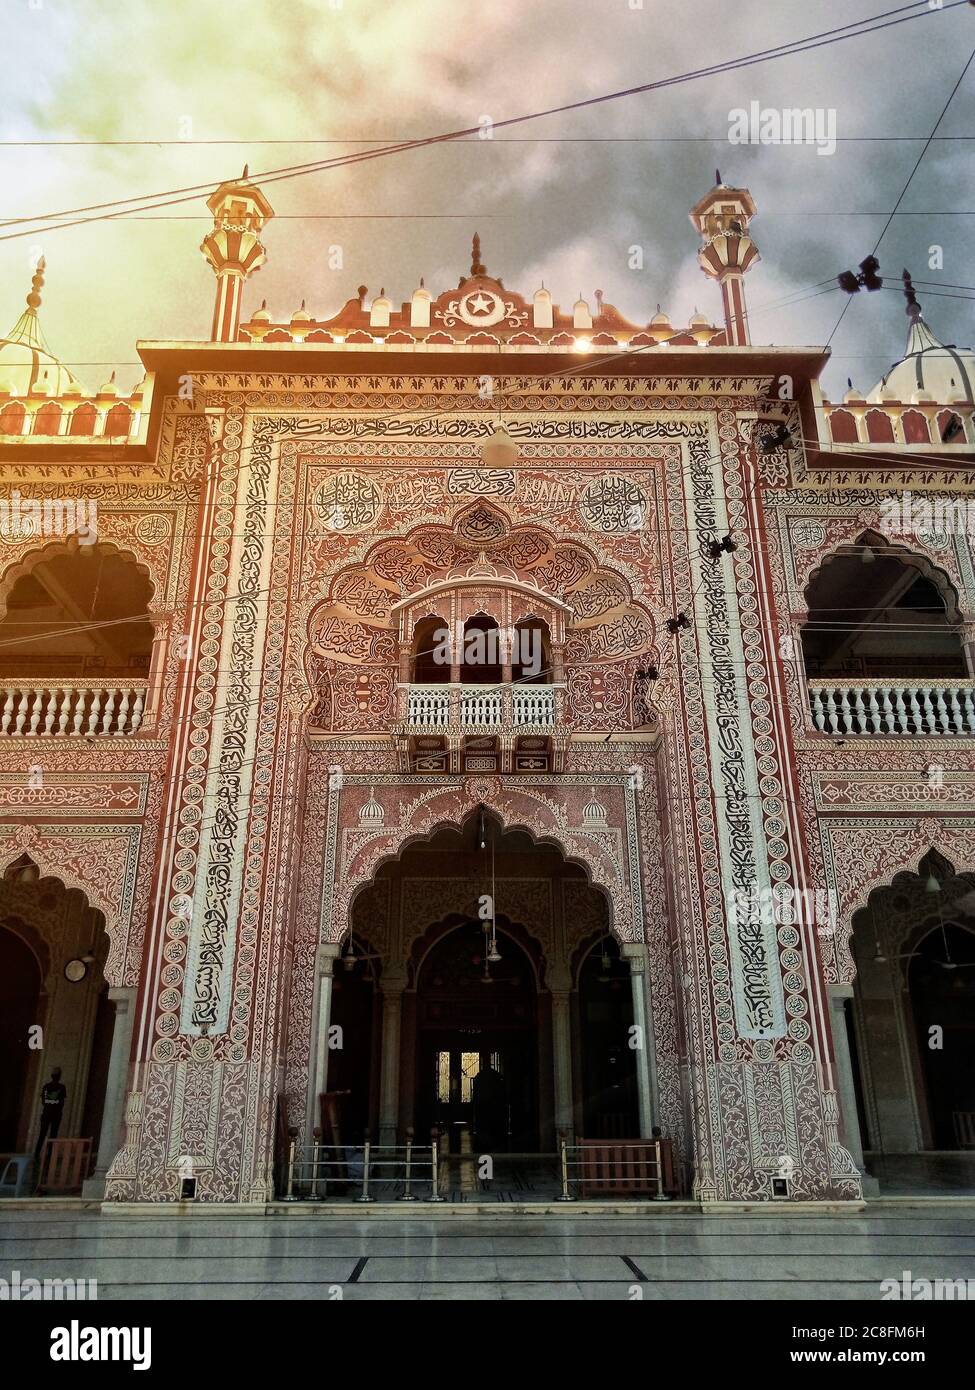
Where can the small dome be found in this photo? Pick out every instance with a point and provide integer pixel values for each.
(594, 812)
(372, 813)
(660, 319)
(27, 365)
(110, 388)
(263, 314)
(699, 320)
(300, 315)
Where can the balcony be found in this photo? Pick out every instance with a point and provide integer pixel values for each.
(89, 709)
(894, 708)
(474, 709)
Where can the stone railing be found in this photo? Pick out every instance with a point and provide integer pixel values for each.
(480, 708)
(893, 707)
(71, 710)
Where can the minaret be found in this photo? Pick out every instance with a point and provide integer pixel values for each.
(234, 249)
(722, 217)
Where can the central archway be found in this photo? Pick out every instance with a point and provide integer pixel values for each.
(500, 1000)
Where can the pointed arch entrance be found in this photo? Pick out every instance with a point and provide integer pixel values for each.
(54, 1005)
(911, 1027)
(461, 993)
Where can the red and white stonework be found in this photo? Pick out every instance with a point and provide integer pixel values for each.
(326, 487)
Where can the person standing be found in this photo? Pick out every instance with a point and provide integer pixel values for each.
(53, 1095)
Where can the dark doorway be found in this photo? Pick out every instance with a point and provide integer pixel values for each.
(20, 983)
(350, 1070)
(476, 1042)
(610, 1106)
(942, 989)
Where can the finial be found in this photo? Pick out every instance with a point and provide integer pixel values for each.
(382, 292)
(36, 285)
(717, 177)
(244, 174)
(476, 267)
(913, 309)
(422, 283)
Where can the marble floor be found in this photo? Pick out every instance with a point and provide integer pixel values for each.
(655, 1254)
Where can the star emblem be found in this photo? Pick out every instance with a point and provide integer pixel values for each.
(479, 304)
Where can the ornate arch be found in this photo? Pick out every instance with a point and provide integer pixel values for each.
(916, 556)
(595, 848)
(867, 858)
(100, 864)
(32, 558)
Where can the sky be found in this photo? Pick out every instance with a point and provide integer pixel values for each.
(102, 100)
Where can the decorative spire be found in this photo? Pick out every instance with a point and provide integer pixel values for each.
(476, 267)
(27, 329)
(913, 309)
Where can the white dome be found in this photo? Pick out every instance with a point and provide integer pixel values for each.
(27, 366)
(944, 372)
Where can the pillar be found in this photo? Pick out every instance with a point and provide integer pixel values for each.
(161, 621)
(116, 1086)
(321, 1022)
(562, 1060)
(846, 1091)
(389, 1083)
(646, 1079)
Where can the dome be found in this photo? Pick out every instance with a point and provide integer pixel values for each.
(262, 315)
(372, 813)
(27, 366)
(660, 320)
(299, 316)
(594, 812)
(944, 372)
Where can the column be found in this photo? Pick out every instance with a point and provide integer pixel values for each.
(846, 1091)
(161, 621)
(646, 1077)
(392, 989)
(321, 1022)
(116, 1086)
(562, 1059)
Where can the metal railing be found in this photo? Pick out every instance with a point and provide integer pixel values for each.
(310, 1168)
(480, 708)
(893, 707)
(72, 709)
(412, 1172)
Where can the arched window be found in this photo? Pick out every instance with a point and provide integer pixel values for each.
(880, 428)
(915, 428)
(873, 612)
(78, 612)
(118, 421)
(12, 418)
(48, 419)
(843, 427)
(531, 655)
(951, 430)
(430, 664)
(83, 419)
(480, 657)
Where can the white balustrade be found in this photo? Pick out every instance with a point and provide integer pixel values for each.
(479, 707)
(68, 711)
(919, 707)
